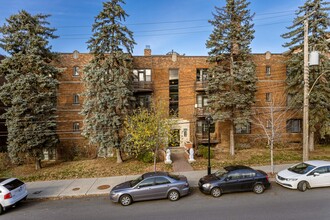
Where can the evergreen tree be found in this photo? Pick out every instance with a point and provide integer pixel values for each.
(316, 11)
(231, 85)
(108, 80)
(30, 87)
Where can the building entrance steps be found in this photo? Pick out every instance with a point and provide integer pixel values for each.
(180, 162)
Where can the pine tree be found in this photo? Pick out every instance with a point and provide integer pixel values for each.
(318, 39)
(30, 87)
(108, 80)
(231, 85)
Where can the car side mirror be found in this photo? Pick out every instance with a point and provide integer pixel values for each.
(316, 174)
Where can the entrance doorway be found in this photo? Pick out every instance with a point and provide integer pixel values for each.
(175, 138)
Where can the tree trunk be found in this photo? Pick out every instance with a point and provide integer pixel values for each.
(231, 140)
(272, 155)
(311, 141)
(37, 164)
(155, 159)
(119, 159)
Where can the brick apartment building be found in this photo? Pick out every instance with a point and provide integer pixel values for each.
(179, 82)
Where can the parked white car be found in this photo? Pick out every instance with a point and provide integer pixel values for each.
(309, 174)
(12, 191)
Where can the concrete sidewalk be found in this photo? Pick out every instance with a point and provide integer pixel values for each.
(102, 186)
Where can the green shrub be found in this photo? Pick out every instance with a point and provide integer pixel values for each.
(147, 157)
(203, 152)
(4, 162)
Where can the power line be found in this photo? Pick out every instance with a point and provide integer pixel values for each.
(188, 20)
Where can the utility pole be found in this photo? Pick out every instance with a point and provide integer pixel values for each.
(306, 88)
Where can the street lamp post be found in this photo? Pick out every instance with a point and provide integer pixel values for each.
(209, 122)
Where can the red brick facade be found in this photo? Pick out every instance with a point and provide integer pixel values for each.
(188, 111)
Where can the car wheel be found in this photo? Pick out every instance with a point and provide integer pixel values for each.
(302, 186)
(125, 200)
(173, 195)
(216, 192)
(1, 210)
(258, 188)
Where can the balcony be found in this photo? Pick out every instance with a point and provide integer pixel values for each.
(202, 138)
(201, 86)
(143, 86)
(201, 112)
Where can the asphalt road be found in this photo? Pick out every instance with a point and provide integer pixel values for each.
(277, 203)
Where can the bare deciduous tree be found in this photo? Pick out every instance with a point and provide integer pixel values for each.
(272, 115)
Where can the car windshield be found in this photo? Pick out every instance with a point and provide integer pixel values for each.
(136, 181)
(221, 173)
(301, 168)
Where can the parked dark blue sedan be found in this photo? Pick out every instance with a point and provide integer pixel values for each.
(236, 178)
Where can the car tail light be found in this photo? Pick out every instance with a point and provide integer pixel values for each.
(267, 178)
(7, 196)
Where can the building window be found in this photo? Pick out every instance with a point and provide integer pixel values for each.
(75, 126)
(202, 101)
(289, 100)
(75, 71)
(201, 75)
(174, 91)
(142, 75)
(268, 97)
(202, 127)
(75, 99)
(267, 70)
(294, 126)
(143, 101)
(243, 129)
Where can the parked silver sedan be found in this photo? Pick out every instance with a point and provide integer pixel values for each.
(153, 185)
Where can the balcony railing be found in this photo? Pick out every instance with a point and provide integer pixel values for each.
(201, 85)
(143, 86)
(203, 138)
(201, 112)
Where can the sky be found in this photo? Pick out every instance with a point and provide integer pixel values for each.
(164, 25)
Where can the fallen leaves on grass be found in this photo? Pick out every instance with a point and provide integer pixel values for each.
(101, 167)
